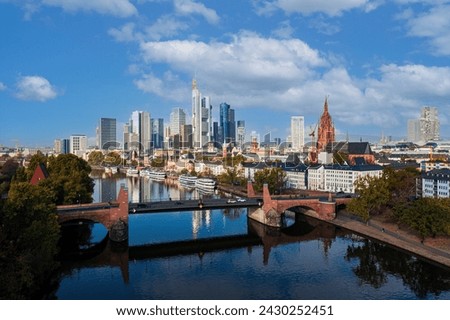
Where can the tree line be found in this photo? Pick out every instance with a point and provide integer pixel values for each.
(29, 230)
(393, 195)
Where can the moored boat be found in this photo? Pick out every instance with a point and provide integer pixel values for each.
(187, 180)
(157, 175)
(132, 172)
(205, 184)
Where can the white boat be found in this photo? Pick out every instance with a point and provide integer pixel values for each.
(132, 172)
(144, 173)
(157, 175)
(187, 180)
(205, 184)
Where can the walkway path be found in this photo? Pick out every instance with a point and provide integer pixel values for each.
(436, 250)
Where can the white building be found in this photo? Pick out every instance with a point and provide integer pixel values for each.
(201, 117)
(177, 119)
(298, 132)
(436, 183)
(296, 176)
(78, 144)
(337, 178)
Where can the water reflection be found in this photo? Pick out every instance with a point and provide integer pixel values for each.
(377, 261)
(220, 254)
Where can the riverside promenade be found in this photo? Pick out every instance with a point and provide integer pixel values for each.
(435, 250)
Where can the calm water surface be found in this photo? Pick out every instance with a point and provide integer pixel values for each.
(308, 260)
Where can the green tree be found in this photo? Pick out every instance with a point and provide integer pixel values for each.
(69, 179)
(232, 175)
(96, 158)
(274, 177)
(113, 158)
(373, 196)
(428, 216)
(377, 195)
(29, 234)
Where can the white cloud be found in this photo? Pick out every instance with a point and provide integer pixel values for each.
(2, 86)
(125, 34)
(433, 25)
(118, 8)
(164, 27)
(35, 88)
(306, 7)
(255, 72)
(188, 7)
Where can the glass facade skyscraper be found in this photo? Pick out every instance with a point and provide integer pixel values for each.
(107, 134)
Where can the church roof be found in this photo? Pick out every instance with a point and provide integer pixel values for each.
(349, 147)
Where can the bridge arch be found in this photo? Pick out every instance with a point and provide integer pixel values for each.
(114, 216)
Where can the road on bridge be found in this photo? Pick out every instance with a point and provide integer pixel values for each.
(184, 205)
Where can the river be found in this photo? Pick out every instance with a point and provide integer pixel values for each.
(240, 259)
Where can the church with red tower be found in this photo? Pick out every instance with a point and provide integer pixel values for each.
(325, 129)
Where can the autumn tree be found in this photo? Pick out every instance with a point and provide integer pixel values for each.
(372, 197)
(96, 158)
(274, 177)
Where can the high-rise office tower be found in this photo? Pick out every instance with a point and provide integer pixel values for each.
(196, 115)
(107, 134)
(414, 134)
(139, 132)
(177, 119)
(201, 117)
(240, 133)
(426, 127)
(57, 146)
(429, 124)
(227, 124)
(186, 136)
(157, 132)
(298, 132)
(206, 120)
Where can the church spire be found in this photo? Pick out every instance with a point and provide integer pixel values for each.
(325, 105)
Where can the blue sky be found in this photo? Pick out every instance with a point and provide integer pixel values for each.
(66, 63)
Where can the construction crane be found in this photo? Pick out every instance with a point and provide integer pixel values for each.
(312, 152)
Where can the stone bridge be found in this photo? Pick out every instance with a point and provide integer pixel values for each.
(114, 216)
(272, 210)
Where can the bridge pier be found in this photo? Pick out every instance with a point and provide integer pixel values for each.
(118, 224)
(271, 213)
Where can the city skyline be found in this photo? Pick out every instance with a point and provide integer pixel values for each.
(69, 64)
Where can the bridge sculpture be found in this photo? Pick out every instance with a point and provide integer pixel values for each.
(272, 211)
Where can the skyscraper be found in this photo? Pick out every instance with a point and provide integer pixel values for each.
(429, 124)
(227, 125)
(157, 132)
(107, 134)
(240, 133)
(201, 117)
(426, 127)
(298, 132)
(414, 134)
(138, 132)
(196, 115)
(177, 119)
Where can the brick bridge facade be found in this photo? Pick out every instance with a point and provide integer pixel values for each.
(271, 212)
(114, 216)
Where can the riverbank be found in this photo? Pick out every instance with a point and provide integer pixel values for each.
(435, 250)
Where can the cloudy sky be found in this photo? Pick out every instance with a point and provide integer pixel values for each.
(66, 63)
